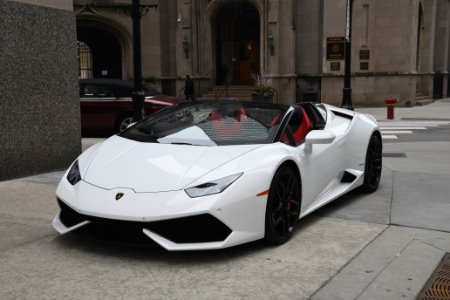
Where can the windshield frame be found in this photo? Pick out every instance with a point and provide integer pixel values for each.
(137, 132)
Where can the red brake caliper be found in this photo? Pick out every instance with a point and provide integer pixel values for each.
(287, 204)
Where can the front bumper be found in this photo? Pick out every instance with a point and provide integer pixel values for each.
(194, 229)
(172, 219)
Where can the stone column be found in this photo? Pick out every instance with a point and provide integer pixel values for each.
(281, 59)
(40, 109)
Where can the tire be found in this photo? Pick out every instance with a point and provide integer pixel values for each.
(283, 206)
(123, 122)
(373, 166)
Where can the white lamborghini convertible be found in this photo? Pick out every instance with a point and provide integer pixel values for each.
(210, 175)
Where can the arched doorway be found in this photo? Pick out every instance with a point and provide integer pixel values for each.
(105, 51)
(237, 42)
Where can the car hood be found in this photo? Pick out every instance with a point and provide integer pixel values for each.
(154, 167)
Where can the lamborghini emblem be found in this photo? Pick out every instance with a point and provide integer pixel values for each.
(119, 195)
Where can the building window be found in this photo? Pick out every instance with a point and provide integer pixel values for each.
(84, 60)
(366, 25)
(419, 37)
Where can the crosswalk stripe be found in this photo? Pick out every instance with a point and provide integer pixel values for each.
(389, 137)
(390, 129)
(396, 132)
(409, 125)
(417, 121)
(403, 128)
(425, 123)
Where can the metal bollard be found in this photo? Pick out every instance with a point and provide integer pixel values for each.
(390, 103)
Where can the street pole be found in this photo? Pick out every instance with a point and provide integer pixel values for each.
(138, 93)
(347, 91)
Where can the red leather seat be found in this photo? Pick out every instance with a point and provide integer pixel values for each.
(304, 128)
(227, 127)
(300, 124)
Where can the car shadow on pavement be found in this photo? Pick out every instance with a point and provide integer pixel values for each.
(136, 245)
(340, 203)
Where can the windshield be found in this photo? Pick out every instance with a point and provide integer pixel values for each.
(210, 123)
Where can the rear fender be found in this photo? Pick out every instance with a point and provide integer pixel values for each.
(357, 140)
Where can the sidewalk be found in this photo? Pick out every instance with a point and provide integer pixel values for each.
(439, 110)
(379, 246)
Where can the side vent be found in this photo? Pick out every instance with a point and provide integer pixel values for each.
(347, 177)
(343, 115)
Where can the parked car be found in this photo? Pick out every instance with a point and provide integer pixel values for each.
(214, 174)
(107, 107)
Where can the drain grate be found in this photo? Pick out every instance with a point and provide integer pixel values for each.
(401, 155)
(438, 286)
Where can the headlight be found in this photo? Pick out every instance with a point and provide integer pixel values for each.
(74, 174)
(212, 187)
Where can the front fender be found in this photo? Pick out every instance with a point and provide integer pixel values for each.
(268, 157)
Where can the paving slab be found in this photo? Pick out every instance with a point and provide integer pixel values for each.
(14, 234)
(399, 279)
(46, 178)
(26, 210)
(379, 262)
(80, 267)
(28, 203)
(421, 200)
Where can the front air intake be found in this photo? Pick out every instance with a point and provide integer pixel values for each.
(68, 216)
(194, 229)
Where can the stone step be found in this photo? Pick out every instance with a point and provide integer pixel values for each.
(423, 100)
(235, 91)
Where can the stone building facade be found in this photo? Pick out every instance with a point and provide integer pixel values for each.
(399, 48)
(39, 107)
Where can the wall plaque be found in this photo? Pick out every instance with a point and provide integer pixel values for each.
(335, 48)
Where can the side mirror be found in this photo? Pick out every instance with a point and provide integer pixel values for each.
(318, 137)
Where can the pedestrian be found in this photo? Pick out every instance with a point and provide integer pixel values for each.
(189, 91)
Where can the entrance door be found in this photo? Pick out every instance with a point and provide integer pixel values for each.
(247, 60)
(237, 31)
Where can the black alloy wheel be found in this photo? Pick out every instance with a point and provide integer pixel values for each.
(372, 170)
(283, 206)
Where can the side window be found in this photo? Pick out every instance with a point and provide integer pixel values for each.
(297, 128)
(91, 90)
(288, 135)
(87, 91)
(317, 115)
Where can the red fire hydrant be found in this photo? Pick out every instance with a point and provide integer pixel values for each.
(390, 103)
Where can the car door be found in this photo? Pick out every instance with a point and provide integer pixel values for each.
(320, 164)
(97, 107)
